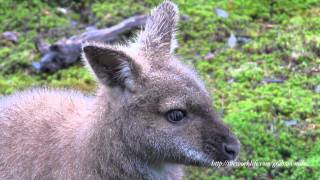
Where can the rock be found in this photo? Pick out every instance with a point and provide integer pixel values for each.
(232, 41)
(317, 89)
(11, 36)
(269, 26)
(209, 56)
(74, 23)
(243, 39)
(185, 18)
(271, 126)
(63, 11)
(267, 80)
(222, 13)
(291, 123)
(36, 66)
(231, 80)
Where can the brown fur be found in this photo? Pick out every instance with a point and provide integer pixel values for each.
(122, 132)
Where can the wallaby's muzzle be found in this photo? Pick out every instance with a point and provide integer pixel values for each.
(219, 142)
(231, 149)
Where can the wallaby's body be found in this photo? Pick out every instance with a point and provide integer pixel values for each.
(49, 134)
(150, 116)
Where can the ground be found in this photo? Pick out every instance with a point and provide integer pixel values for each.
(260, 61)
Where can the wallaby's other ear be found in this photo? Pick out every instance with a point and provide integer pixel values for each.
(111, 66)
(159, 34)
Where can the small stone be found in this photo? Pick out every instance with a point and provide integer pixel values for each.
(232, 41)
(291, 123)
(11, 36)
(185, 18)
(243, 39)
(63, 11)
(74, 23)
(209, 56)
(317, 89)
(222, 13)
(269, 26)
(36, 66)
(268, 80)
(231, 80)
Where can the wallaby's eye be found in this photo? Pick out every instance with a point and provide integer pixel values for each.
(175, 115)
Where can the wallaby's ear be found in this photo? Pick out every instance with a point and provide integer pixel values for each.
(111, 66)
(159, 34)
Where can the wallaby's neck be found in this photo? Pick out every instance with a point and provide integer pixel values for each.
(106, 151)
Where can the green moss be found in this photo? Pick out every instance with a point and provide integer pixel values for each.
(284, 44)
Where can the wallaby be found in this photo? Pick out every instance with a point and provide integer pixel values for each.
(150, 116)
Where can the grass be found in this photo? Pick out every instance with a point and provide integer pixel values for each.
(284, 45)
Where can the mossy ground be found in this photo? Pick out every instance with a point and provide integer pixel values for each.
(284, 44)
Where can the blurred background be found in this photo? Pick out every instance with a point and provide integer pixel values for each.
(259, 59)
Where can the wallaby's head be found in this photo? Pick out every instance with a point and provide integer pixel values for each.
(165, 114)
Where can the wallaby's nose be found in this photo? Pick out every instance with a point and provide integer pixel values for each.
(231, 150)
